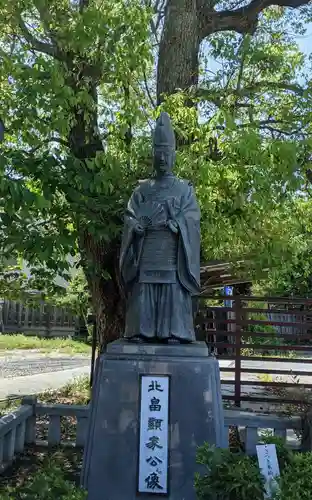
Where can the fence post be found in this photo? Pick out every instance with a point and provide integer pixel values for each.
(9, 446)
(306, 425)
(47, 320)
(1, 316)
(20, 437)
(92, 320)
(54, 431)
(82, 424)
(252, 440)
(30, 431)
(5, 312)
(1, 451)
(237, 351)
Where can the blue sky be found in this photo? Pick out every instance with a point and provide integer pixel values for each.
(305, 41)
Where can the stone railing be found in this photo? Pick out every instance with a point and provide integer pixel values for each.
(251, 424)
(16, 430)
(54, 413)
(20, 427)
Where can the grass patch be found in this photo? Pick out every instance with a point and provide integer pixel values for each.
(68, 346)
(76, 392)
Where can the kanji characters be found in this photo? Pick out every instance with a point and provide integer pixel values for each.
(155, 386)
(153, 443)
(152, 481)
(154, 424)
(153, 461)
(155, 406)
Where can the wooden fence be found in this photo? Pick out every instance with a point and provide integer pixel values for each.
(44, 320)
(20, 428)
(267, 343)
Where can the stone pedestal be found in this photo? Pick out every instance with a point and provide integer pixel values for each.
(110, 468)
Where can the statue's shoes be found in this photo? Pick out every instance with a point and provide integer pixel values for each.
(136, 340)
(172, 341)
(175, 340)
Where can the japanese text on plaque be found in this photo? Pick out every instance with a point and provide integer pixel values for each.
(153, 460)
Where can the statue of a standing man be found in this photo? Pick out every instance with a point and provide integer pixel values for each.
(160, 252)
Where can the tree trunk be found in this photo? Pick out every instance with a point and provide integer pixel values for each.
(179, 48)
(100, 262)
(99, 258)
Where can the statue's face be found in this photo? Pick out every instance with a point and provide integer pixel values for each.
(163, 159)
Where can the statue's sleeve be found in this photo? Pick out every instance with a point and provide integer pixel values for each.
(188, 220)
(128, 261)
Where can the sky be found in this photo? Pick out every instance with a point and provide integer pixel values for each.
(305, 41)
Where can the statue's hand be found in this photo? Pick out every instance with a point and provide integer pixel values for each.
(173, 226)
(138, 229)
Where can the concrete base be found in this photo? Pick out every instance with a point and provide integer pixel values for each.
(196, 415)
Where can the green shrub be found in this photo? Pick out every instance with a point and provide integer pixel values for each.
(49, 483)
(228, 476)
(234, 476)
(296, 480)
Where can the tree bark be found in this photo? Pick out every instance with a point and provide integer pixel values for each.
(179, 46)
(100, 262)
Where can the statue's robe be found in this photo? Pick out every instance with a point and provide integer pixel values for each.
(160, 270)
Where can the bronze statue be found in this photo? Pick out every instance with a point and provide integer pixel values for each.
(160, 252)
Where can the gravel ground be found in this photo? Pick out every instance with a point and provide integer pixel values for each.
(31, 363)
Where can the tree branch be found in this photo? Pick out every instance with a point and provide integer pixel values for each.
(159, 11)
(44, 14)
(36, 44)
(47, 141)
(45, 18)
(83, 4)
(265, 86)
(217, 97)
(268, 125)
(2, 130)
(149, 95)
(244, 47)
(282, 132)
(242, 20)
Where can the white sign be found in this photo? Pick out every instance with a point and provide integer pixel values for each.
(154, 426)
(269, 467)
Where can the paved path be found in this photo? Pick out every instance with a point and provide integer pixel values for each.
(260, 391)
(18, 365)
(32, 372)
(270, 365)
(36, 384)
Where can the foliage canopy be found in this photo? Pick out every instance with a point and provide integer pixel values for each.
(77, 100)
